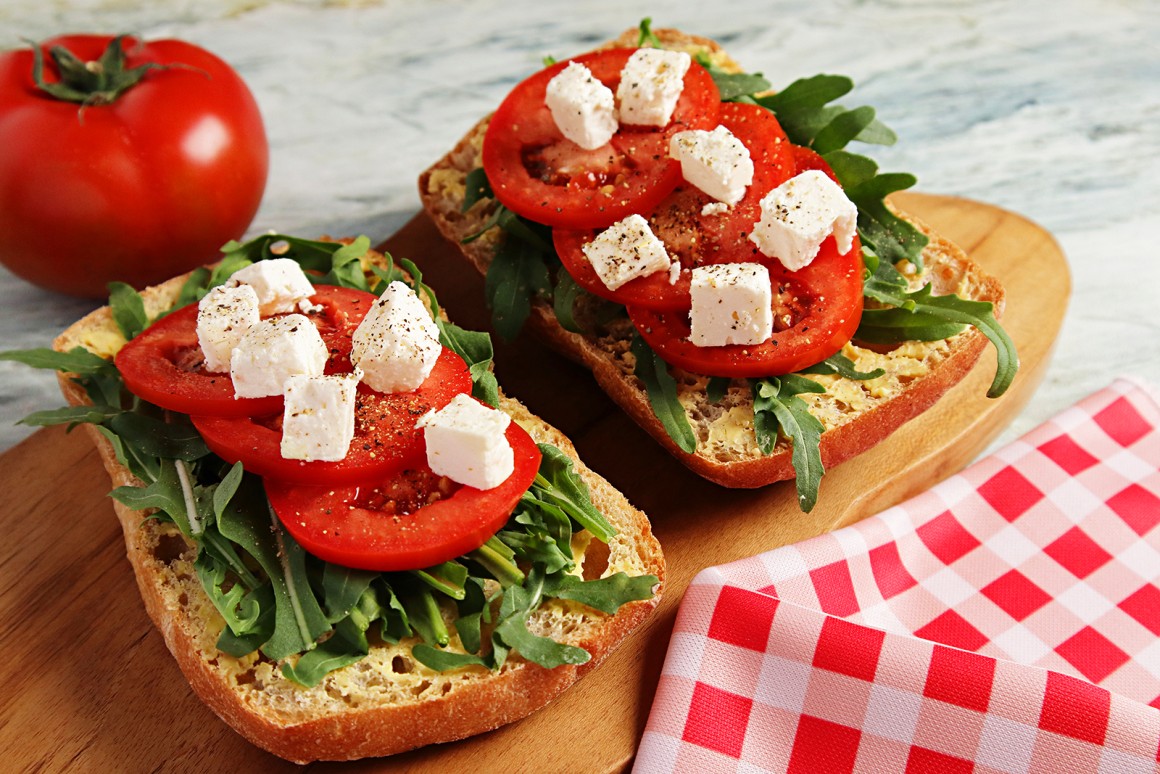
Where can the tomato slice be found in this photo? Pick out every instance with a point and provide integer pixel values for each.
(414, 520)
(537, 173)
(815, 310)
(689, 235)
(164, 364)
(385, 438)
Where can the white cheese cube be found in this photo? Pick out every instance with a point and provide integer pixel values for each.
(279, 282)
(732, 303)
(318, 419)
(651, 82)
(223, 316)
(716, 162)
(626, 250)
(582, 107)
(798, 215)
(397, 343)
(465, 442)
(274, 350)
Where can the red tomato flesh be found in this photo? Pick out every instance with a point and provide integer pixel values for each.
(164, 364)
(414, 520)
(537, 173)
(385, 438)
(691, 237)
(815, 310)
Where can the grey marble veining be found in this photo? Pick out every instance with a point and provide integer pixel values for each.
(1049, 109)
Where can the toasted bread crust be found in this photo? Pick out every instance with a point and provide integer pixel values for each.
(369, 708)
(856, 415)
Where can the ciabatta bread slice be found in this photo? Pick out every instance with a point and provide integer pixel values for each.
(388, 702)
(856, 414)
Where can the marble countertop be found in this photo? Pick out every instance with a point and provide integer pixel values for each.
(1051, 110)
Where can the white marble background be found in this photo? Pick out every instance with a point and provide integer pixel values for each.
(1050, 109)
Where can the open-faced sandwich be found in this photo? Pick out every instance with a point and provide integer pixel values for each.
(353, 543)
(730, 274)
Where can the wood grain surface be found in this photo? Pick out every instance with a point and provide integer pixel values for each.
(88, 684)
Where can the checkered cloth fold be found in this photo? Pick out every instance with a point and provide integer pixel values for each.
(1007, 620)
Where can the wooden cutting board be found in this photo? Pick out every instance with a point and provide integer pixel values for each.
(88, 684)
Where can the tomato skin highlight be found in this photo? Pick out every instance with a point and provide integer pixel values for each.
(693, 238)
(137, 190)
(330, 522)
(824, 302)
(570, 186)
(163, 364)
(385, 437)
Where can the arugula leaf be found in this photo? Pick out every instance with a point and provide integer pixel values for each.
(128, 309)
(472, 609)
(604, 594)
(717, 387)
(176, 440)
(346, 645)
(342, 588)
(647, 37)
(476, 350)
(777, 407)
(69, 415)
(77, 360)
(950, 310)
(564, 297)
(261, 630)
(842, 366)
(557, 483)
(477, 187)
(444, 661)
(240, 610)
(662, 395)
(517, 274)
(298, 618)
(889, 236)
(512, 630)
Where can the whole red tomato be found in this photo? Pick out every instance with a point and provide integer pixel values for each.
(134, 186)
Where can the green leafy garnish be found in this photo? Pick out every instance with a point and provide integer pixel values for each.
(662, 394)
(776, 407)
(128, 309)
(517, 275)
(647, 37)
(842, 366)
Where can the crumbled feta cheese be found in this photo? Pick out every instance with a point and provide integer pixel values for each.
(714, 161)
(318, 418)
(674, 272)
(397, 343)
(224, 315)
(279, 282)
(715, 208)
(582, 107)
(798, 215)
(272, 351)
(626, 250)
(466, 442)
(732, 303)
(651, 82)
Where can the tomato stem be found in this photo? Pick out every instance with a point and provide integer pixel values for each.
(96, 82)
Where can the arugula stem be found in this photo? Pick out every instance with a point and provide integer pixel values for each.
(434, 617)
(291, 589)
(196, 528)
(503, 569)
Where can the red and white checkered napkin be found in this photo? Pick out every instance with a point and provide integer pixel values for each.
(1006, 620)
